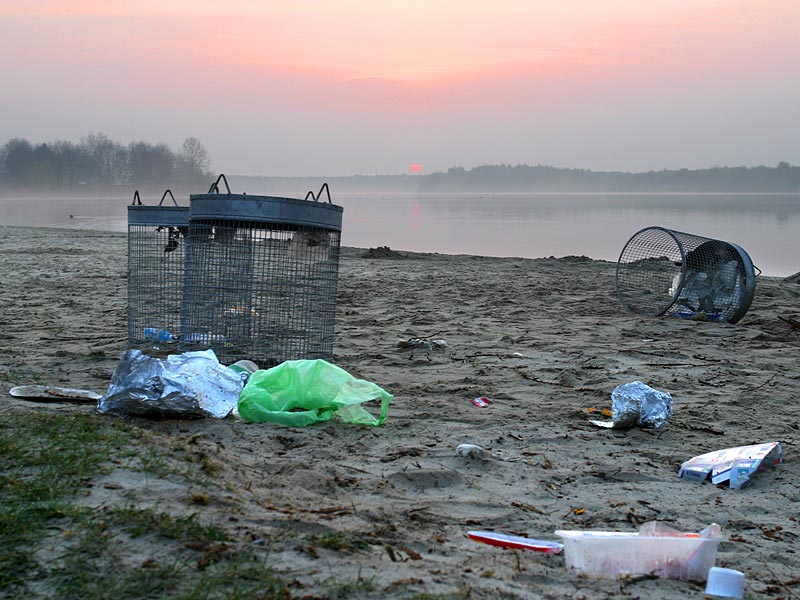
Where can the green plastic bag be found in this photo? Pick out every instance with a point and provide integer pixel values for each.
(301, 392)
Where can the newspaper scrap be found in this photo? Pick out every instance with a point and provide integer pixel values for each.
(736, 465)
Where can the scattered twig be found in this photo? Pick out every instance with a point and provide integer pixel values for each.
(791, 322)
(784, 585)
(354, 469)
(763, 384)
(528, 507)
(626, 581)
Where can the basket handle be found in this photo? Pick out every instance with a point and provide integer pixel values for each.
(170, 195)
(327, 191)
(319, 193)
(214, 189)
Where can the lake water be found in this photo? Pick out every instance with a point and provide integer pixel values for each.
(522, 225)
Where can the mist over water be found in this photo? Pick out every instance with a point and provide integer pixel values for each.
(520, 225)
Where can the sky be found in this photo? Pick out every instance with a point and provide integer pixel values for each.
(365, 87)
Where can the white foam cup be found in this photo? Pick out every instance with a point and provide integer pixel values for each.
(725, 583)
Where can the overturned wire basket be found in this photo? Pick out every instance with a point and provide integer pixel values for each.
(261, 276)
(666, 272)
(156, 245)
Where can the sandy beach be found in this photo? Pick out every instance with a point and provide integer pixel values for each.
(545, 340)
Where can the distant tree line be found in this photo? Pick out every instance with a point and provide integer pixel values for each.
(98, 160)
(524, 178)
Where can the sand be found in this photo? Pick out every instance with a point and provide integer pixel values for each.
(544, 339)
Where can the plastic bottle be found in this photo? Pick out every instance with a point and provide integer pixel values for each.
(158, 335)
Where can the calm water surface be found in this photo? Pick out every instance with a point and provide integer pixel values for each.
(524, 225)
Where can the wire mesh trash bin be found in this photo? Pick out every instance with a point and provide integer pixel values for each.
(156, 236)
(261, 277)
(661, 271)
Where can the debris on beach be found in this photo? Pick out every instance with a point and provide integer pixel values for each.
(516, 542)
(471, 451)
(481, 402)
(655, 549)
(192, 385)
(725, 583)
(479, 452)
(383, 252)
(297, 393)
(422, 344)
(791, 322)
(50, 393)
(734, 465)
(636, 404)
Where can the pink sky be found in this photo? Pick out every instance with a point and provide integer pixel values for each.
(326, 87)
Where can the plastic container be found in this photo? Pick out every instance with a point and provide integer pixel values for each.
(158, 335)
(725, 583)
(611, 554)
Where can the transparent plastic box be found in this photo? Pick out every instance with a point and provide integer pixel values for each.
(658, 551)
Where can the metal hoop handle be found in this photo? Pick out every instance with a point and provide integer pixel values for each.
(319, 194)
(214, 189)
(170, 195)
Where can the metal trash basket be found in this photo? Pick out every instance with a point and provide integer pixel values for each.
(261, 276)
(156, 236)
(661, 271)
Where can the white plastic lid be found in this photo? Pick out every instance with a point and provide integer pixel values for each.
(725, 583)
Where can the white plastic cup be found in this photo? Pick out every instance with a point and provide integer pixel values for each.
(725, 583)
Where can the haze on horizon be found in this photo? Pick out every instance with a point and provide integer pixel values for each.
(323, 88)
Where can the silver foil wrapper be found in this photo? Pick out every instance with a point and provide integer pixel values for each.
(636, 404)
(192, 385)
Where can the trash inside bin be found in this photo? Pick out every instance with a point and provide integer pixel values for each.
(156, 247)
(261, 277)
(666, 272)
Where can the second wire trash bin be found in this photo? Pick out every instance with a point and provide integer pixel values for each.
(261, 276)
(665, 272)
(156, 248)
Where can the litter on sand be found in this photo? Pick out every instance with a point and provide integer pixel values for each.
(514, 541)
(192, 385)
(50, 393)
(735, 465)
(474, 451)
(655, 549)
(297, 393)
(636, 404)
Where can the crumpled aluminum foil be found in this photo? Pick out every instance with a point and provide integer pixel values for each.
(192, 385)
(636, 404)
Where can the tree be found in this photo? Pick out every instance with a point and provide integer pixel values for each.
(16, 161)
(45, 170)
(149, 164)
(108, 158)
(74, 162)
(194, 159)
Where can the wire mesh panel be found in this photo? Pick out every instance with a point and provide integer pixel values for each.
(661, 271)
(156, 246)
(261, 278)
